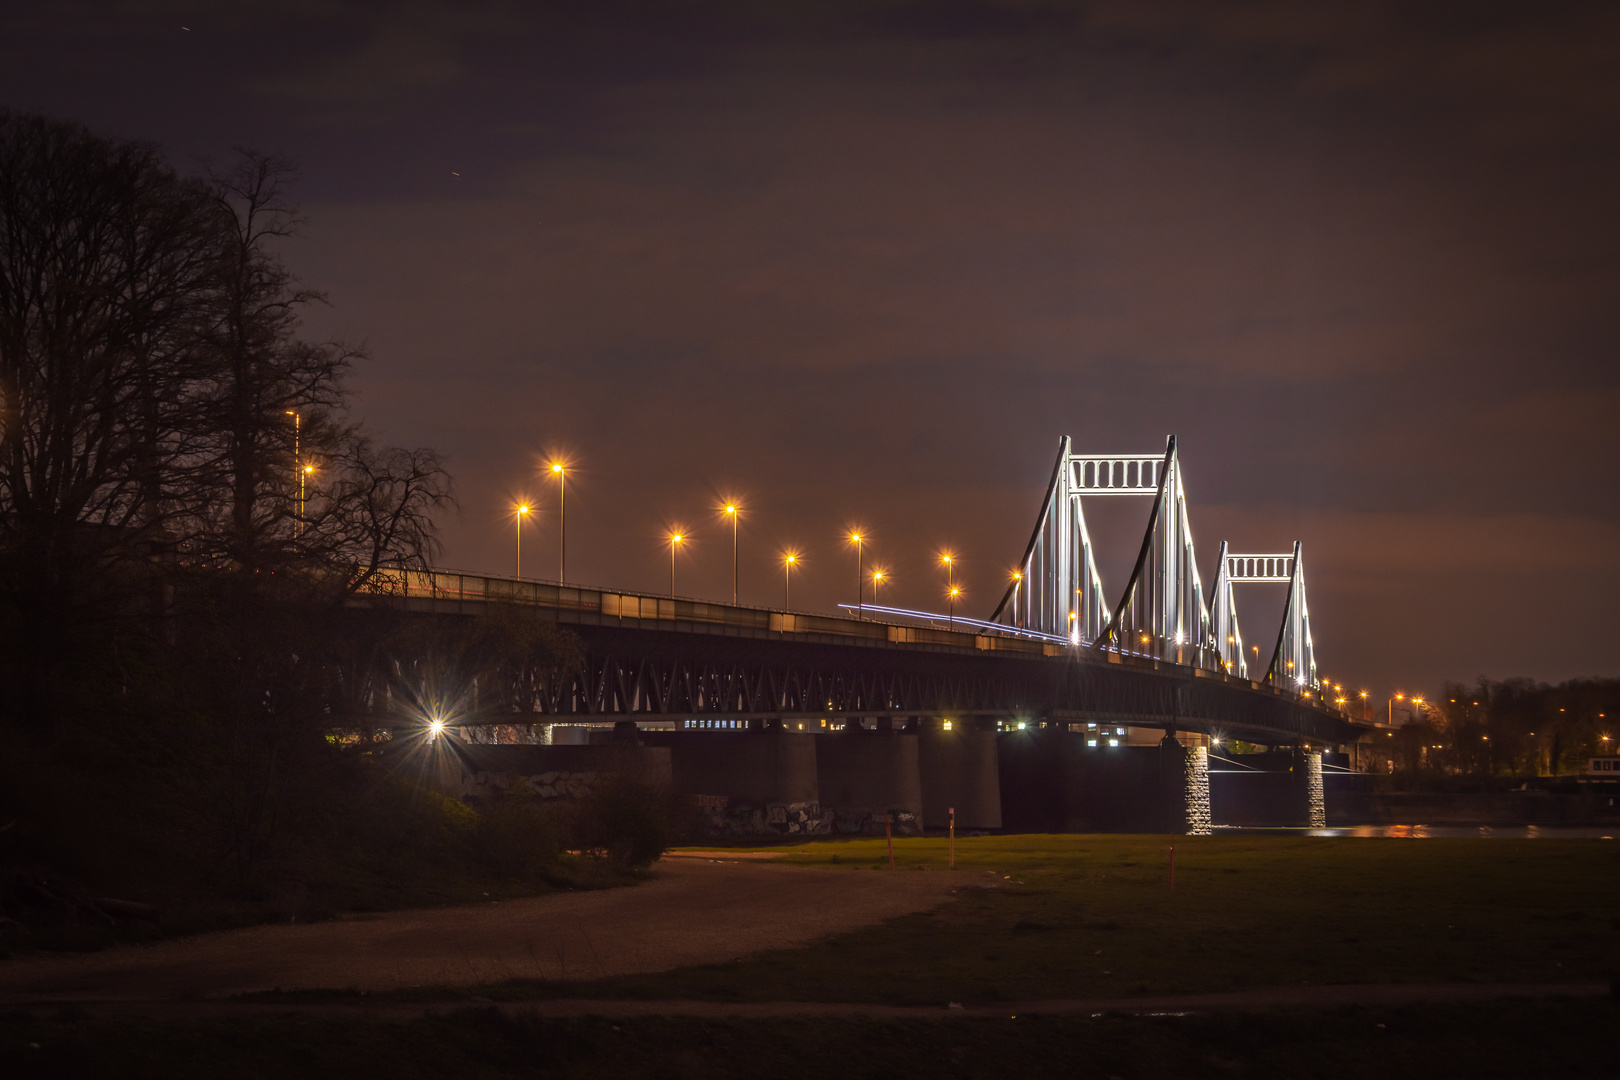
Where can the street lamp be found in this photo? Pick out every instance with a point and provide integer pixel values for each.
(950, 583)
(732, 513)
(298, 433)
(877, 580)
(789, 561)
(674, 540)
(951, 617)
(561, 473)
(522, 512)
(860, 582)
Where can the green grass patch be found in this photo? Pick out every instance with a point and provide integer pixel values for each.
(1094, 916)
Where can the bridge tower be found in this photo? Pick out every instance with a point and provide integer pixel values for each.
(1293, 661)
(1056, 589)
(1163, 611)
(1224, 620)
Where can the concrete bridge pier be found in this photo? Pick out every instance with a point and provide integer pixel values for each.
(959, 768)
(865, 774)
(750, 768)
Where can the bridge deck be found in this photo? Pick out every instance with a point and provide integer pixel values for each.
(650, 656)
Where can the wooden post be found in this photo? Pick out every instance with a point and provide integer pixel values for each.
(953, 838)
(888, 834)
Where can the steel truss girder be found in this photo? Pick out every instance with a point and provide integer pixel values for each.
(645, 674)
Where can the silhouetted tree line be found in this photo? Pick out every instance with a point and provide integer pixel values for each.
(175, 459)
(196, 543)
(1516, 728)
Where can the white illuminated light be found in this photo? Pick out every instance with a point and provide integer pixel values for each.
(435, 729)
(1113, 742)
(947, 725)
(1091, 742)
(1020, 725)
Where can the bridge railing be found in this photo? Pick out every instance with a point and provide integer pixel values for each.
(458, 587)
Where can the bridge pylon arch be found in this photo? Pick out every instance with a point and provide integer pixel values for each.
(1163, 611)
(1056, 589)
(1293, 661)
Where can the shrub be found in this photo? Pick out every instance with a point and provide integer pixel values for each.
(627, 819)
(520, 840)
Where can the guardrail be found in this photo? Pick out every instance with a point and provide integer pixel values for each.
(460, 587)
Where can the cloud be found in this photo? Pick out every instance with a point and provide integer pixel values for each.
(1521, 78)
(400, 53)
(396, 62)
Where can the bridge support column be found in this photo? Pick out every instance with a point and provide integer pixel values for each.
(1198, 819)
(959, 769)
(866, 775)
(757, 769)
(1170, 793)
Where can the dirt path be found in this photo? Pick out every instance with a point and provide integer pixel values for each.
(696, 911)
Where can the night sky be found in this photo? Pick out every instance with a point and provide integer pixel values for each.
(863, 264)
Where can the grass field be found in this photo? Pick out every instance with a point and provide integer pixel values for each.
(1094, 916)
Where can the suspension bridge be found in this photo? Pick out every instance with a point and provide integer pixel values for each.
(1053, 659)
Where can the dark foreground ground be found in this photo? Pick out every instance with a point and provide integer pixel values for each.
(1499, 1039)
(1071, 955)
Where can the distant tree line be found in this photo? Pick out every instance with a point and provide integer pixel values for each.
(177, 467)
(1516, 728)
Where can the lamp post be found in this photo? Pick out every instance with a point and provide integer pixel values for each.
(860, 580)
(951, 617)
(298, 433)
(561, 473)
(877, 579)
(731, 512)
(674, 539)
(522, 512)
(950, 585)
(788, 562)
(1018, 585)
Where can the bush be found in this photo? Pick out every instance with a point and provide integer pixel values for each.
(519, 840)
(627, 819)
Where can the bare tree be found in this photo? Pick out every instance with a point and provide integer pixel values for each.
(270, 386)
(103, 268)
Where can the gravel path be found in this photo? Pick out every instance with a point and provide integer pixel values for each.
(696, 911)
